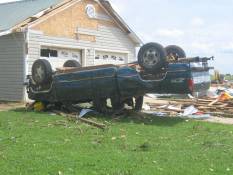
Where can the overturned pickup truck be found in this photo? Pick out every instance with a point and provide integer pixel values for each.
(111, 87)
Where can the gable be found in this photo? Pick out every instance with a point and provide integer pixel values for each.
(67, 21)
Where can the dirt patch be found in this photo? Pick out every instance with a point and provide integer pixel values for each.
(6, 106)
(212, 119)
(227, 121)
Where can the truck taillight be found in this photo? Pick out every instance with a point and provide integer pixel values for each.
(191, 84)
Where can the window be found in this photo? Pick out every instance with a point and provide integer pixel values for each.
(90, 10)
(114, 58)
(105, 57)
(97, 57)
(74, 55)
(48, 53)
(53, 53)
(64, 54)
(121, 59)
(44, 53)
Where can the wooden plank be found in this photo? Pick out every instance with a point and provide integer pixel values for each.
(213, 102)
(87, 121)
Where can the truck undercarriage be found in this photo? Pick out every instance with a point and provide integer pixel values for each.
(155, 72)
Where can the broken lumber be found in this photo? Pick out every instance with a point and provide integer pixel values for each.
(213, 102)
(87, 121)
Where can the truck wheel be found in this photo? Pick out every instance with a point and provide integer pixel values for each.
(152, 57)
(174, 52)
(41, 72)
(72, 63)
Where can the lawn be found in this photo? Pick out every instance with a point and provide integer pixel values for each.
(33, 143)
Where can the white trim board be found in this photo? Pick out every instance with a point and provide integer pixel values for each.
(114, 51)
(62, 46)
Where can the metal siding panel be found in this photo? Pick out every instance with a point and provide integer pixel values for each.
(12, 54)
(107, 38)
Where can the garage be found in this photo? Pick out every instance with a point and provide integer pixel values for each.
(88, 31)
(58, 56)
(103, 57)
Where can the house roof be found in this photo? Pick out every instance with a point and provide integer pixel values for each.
(14, 13)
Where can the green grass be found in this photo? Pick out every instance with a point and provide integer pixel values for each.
(33, 143)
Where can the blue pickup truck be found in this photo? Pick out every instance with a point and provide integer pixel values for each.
(155, 72)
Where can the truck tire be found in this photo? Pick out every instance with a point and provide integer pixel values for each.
(174, 52)
(152, 57)
(72, 63)
(41, 72)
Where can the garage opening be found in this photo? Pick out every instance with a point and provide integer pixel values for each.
(58, 56)
(102, 57)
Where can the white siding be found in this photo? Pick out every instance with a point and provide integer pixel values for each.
(107, 39)
(12, 54)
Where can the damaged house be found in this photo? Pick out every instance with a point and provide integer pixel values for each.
(89, 31)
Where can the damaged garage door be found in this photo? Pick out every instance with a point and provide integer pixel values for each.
(110, 58)
(58, 56)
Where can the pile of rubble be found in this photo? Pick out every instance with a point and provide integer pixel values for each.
(219, 104)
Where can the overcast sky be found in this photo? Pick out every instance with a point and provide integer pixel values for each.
(201, 27)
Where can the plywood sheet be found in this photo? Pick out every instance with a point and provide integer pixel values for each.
(85, 37)
(66, 22)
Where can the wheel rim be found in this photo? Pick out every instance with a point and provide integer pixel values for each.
(39, 73)
(151, 57)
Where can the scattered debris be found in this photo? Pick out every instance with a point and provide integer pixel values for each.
(219, 103)
(87, 121)
(84, 112)
(159, 114)
(39, 106)
(211, 93)
(190, 111)
(146, 107)
(199, 117)
(190, 96)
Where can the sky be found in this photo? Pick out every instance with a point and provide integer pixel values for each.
(200, 27)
